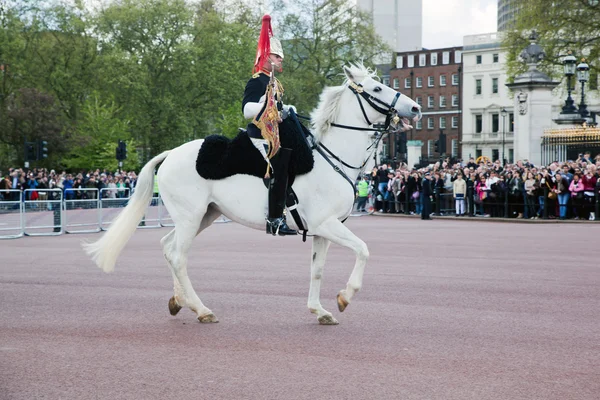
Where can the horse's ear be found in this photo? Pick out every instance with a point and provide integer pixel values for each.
(348, 74)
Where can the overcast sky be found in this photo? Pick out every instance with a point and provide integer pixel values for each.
(445, 22)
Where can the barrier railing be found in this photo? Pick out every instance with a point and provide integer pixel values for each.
(11, 215)
(151, 218)
(163, 214)
(111, 206)
(42, 213)
(82, 214)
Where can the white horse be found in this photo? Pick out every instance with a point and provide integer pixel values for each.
(325, 197)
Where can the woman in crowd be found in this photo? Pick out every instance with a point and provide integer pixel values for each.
(576, 189)
(589, 184)
(530, 186)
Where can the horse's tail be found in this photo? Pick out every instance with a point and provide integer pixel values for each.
(104, 252)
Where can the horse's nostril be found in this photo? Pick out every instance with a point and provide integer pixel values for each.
(416, 110)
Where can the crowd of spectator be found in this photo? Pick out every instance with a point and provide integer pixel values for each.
(565, 190)
(72, 185)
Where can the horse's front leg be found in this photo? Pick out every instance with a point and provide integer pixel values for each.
(333, 230)
(319, 253)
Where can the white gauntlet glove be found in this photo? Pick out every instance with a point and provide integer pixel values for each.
(252, 109)
(285, 112)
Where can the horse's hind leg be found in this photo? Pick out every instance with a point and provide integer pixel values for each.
(319, 253)
(335, 231)
(176, 245)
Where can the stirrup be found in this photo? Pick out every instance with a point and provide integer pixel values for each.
(278, 226)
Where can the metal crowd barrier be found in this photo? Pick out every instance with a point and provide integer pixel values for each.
(11, 214)
(151, 217)
(82, 214)
(42, 216)
(110, 206)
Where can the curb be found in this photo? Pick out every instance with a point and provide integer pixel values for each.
(488, 219)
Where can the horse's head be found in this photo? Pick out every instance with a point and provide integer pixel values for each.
(385, 102)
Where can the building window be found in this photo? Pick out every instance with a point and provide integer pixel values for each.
(433, 58)
(399, 61)
(442, 80)
(407, 83)
(386, 81)
(454, 147)
(429, 148)
(455, 122)
(442, 101)
(430, 81)
(422, 60)
(430, 102)
(478, 59)
(419, 100)
(495, 57)
(478, 86)
(410, 61)
(511, 122)
(494, 85)
(454, 79)
(478, 123)
(511, 156)
(457, 56)
(495, 154)
(397, 83)
(454, 100)
(446, 57)
(478, 153)
(495, 123)
(419, 124)
(419, 81)
(442, 122)
(430, 123)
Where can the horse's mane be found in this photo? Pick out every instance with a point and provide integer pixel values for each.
(329, 101)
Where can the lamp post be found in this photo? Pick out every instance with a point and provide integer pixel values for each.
(569, 69)
(583, 75)
(503, 112)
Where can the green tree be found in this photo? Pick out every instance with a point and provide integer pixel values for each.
(100, 129)
(562, 26)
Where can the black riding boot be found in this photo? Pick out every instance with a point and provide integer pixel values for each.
(277, 194)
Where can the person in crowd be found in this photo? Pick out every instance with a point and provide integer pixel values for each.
(530, 186)
(516, 187)
(576, 188)
(459, 190)
(427, 196)
(362, 193)
(589, 184)
(562, 191)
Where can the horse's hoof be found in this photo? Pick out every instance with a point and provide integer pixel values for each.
(173, 306)
(327, 320)
(208, 319)
(342, 302)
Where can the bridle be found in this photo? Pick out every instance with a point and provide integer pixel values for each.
(391, 117)
(389, 111)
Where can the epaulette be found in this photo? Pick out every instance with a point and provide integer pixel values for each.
(256, 75)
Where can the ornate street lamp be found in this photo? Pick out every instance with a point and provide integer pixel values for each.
(569, 68)
(583, 76)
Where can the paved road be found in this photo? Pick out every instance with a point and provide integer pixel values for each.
(449, 310)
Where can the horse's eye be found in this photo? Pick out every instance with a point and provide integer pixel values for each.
(377, 89)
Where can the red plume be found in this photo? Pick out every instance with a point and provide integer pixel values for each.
(264, 43)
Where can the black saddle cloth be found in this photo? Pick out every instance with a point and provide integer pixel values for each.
(221, 157)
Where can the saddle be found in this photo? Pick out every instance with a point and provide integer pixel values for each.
(220, 157)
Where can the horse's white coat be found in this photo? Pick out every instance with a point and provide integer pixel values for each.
(325, 197)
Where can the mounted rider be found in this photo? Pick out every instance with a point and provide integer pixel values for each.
(263, 104)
